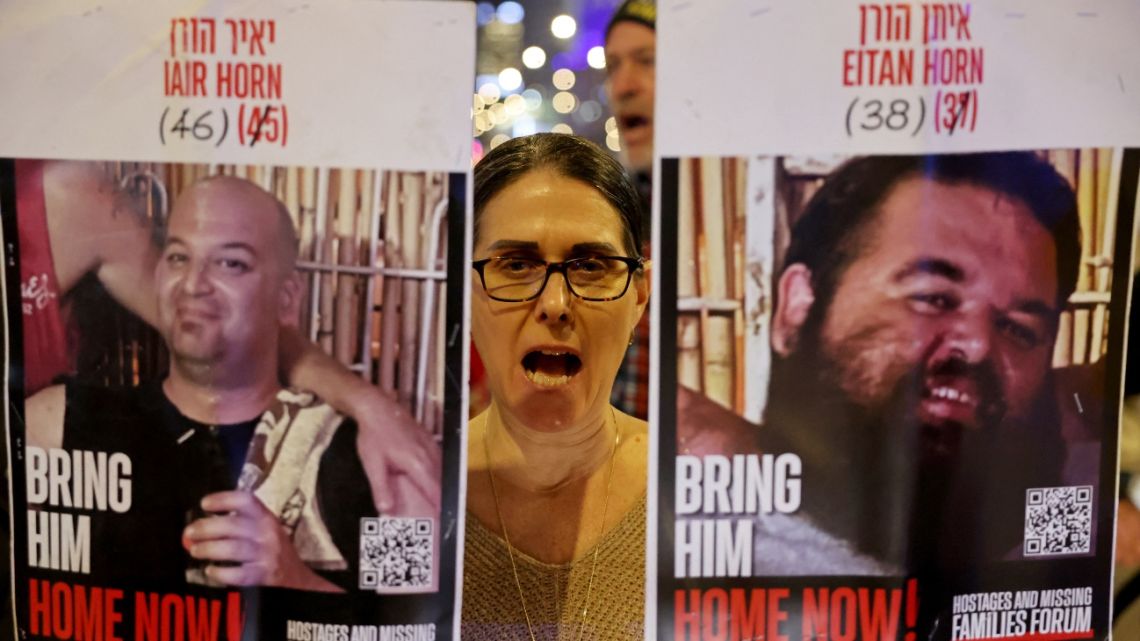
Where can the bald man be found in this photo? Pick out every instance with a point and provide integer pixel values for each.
(75, 223)
(226, 470)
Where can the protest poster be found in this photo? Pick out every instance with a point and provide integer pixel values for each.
(228, 235)
(892, 320)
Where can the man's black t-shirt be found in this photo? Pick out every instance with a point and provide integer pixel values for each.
(175, 461)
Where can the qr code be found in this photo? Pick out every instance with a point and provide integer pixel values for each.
(396, 553)
(1058, 520)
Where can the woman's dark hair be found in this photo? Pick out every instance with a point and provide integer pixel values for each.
(569, 156)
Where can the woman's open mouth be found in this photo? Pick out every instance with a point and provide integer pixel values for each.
(550, 368)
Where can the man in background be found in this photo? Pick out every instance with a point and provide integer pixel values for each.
(630, 47)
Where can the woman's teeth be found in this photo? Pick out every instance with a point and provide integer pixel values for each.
(547, 380)
(550, 368)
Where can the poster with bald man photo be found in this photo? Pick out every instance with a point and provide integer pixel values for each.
(231, 377)
(897, 383)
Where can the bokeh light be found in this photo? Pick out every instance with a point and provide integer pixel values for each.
(563, 26)
(515, 105)
(564, 102)
(484, 13)
(533, 98)
(490, 92)
(510, 79)
(498, 113)
(483, 123)
(588, 111)
(510, 12)
(540, 79)
(563, 79)
(533, 57)
(596, 57)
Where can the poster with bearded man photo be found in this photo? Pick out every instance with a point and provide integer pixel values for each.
(897, 381)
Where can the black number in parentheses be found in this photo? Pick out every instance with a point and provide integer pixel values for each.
(873, 109)
(896, 118)
(200, 129)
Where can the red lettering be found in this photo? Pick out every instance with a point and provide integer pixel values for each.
(225, 84)
(686, 620)
(89, 614)
(878, 67)
(243, 80)
(235, 618)
(842, 616)
(203, 619)
(878, 623)
(734, 615)
(40, 607)
(714, 611)
(961, 57)
(747, 613)
(953, 66)
(776, 614)
(172, 611)
(851, 64)
(64, 611)
(112, 616)
(61, 604)
(273, 81)
(176, 617)
(815, 614)
(184, 78)
(898, 69)
(146, 616)
(911, 608)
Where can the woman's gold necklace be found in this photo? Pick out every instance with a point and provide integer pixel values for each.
(597, 545)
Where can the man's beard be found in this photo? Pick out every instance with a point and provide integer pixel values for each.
(922, 497)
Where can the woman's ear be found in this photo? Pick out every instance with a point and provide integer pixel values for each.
(794, 299)
(642, 284)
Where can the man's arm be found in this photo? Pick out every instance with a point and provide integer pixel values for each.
(389, 442)
(95, 228)
(43, 412)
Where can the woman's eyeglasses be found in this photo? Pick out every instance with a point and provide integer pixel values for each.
(516, 280)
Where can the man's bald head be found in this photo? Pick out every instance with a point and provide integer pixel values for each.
(248, 200)
(226, 281)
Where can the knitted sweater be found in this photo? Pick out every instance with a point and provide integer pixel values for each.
(555, 594)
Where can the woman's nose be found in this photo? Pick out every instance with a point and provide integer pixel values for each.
(553, 304)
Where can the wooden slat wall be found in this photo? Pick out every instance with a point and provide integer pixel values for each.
(711, 322)
(1083, 328)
